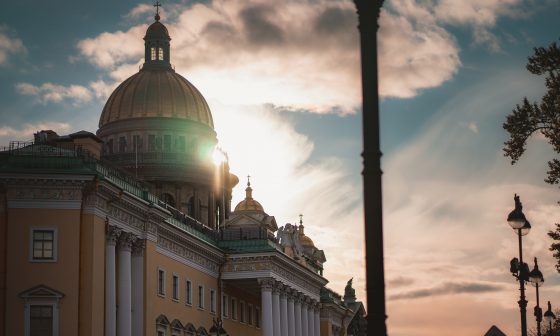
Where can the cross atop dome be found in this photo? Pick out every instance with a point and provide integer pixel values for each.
(157, 5)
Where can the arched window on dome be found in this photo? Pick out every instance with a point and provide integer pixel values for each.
(160, 54)
(153, 53)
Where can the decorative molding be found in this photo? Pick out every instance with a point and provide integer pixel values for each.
(188, 262)
(126, 240)
(138, 247)
(267, 284)
(113, 234)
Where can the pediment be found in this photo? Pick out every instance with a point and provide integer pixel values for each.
(41, 291)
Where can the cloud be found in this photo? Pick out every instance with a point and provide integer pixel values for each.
(447, 288)
(28, 129)
(263, 144)
(49, 92)
(480, 15)
(446, 196)
(414, 51)
(9, 45)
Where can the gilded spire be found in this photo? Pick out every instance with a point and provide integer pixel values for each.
(248, 190)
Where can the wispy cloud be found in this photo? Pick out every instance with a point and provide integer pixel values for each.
(49, 92)
(447, 288)
(9, 45)
(27, 130)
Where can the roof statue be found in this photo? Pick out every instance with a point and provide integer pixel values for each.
(349, 292)
(288, 235)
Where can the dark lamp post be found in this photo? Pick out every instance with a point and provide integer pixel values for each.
(536, 278)
(549, 317)
(516, 219)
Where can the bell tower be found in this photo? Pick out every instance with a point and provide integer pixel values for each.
(156, 44)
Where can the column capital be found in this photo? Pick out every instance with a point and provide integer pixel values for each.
(138, 247)
(267, 284)
(112, 235)
(278, 287)
(126, 240)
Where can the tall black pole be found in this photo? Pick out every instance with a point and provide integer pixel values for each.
(538, 312)
(522, 302)
(368, 14)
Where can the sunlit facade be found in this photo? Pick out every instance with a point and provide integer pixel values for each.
(130, 231)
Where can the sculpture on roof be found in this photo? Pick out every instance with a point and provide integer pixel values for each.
(288, 235)
(349, 292)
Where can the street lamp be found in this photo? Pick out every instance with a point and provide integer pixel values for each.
(549, 317)
(537, 279)
(518, 268)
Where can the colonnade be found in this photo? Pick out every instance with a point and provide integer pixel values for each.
(287, 312)
(127, 320)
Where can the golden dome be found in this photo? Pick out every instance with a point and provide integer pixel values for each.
(249, 204)
(303, 239)
(153, 93)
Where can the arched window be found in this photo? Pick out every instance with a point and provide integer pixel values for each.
(153, 53)
(162, 325)
(176, 328)
(160, 54)
(190, 330)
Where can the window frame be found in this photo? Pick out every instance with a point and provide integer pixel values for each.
(32, 258)
(242, 312)
(257, 317)
(249, 313)
(175, 287)
(225, 303)
(188, 292)
(233, 303)
(200, 296)
(212, 301)
(161, 285)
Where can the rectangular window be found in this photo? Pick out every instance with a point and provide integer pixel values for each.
(241, 311)
(40, 320)
(233, 309)
(160, 54)
(153, 53)
(188, 292)
(158, 143)
(250, 313)
(257, 317)
(161, 282)
(175, 287)
(212, 301)
(167, 143)
(43, 245)
(122, 144)
(200, 297)
(224, 306)
(151, 142)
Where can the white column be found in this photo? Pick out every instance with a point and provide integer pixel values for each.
(311, 319)
(283, 313)
(297, 315)
(276, 310)
(304, 319)
(124, 313)
(318, 320)
(291, 315)
(110, 282)
(266, 306)
(138, 287)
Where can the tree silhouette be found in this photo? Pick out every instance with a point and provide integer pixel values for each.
(543, 117)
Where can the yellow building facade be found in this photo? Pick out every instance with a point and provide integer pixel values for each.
(130, 231)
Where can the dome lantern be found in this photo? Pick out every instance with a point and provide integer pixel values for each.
(156, 44)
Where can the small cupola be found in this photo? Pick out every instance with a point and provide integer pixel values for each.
(156, 44)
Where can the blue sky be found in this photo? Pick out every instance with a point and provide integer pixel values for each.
(282, 80)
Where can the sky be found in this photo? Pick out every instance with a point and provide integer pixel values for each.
(282, 80)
